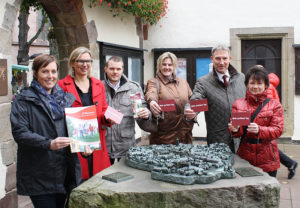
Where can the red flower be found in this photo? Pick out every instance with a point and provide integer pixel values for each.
(109, 4)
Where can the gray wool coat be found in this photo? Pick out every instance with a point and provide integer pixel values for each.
(220, 101)
(120, 137)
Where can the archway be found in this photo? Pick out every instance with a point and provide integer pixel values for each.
(71, 29)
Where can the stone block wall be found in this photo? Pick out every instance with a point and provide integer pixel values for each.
(8, 193)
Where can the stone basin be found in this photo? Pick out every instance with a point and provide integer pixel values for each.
(142, 191)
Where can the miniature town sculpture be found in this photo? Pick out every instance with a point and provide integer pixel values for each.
(183, 163)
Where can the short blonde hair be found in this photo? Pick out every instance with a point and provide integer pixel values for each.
(162, 57)
(76, 53)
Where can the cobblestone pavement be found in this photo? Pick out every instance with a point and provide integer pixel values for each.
(289, 190)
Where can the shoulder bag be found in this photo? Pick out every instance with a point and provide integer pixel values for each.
(151, 124)
(258, 109)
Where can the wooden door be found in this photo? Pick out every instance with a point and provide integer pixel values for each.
(266, 52)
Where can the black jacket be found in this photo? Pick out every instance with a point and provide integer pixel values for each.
(39, 169)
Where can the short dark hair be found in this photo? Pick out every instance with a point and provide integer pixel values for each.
(114, 59)
(257, 72)
(43, 60)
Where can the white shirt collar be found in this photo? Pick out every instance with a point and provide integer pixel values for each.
(116, 87)
(220, 76)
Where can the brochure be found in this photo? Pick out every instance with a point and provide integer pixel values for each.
(199, 105)
(241, 118)
(113, 114)
(167, 105)
(136, 103)
(82, 125)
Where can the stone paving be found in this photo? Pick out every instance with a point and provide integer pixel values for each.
(289, 190)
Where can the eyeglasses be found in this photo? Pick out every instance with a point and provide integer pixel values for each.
(82, 62)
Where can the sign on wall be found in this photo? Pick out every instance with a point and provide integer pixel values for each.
(181, 68)
(3, 77)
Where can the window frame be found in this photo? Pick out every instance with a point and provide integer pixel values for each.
(125, 52)
(191, 55)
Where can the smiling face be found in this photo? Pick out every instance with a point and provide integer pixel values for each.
(167, 67)
(47, 76)
(221, 60)
(82, 65)
(114, 71)
(256, 86)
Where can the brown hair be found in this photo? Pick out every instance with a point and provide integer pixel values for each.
(42, 61)
(114, 59)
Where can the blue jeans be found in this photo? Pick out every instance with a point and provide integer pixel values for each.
(49, 200)
(285, 160)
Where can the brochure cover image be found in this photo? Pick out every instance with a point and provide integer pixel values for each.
(82, 125)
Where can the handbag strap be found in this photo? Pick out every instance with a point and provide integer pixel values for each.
(157, 87)
(258, 109)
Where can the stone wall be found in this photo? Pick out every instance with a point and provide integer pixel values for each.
(8, 193)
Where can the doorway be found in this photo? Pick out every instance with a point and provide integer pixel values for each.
(265, 52)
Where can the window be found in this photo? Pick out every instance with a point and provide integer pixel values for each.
(297, 69)
(132, 58)
(265, 52)
(43, 35)
(192, 62)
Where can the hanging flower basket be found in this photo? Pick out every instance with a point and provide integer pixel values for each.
(149, 11)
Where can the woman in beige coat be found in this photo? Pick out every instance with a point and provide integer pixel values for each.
(172, 124)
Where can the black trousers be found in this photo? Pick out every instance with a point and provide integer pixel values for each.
(112, 160)
(273, 173)
(49, 200)
(285, 160)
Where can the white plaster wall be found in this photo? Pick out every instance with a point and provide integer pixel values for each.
(2, 8)
(2, 178)
(194, 23)
(296, 135)
(113, 30)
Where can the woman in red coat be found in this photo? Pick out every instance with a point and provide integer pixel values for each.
(259, 145)
(88, 91)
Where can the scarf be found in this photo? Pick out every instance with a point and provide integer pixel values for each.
(55, 102)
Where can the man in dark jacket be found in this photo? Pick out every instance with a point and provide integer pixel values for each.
(118, 89)
(221, 87)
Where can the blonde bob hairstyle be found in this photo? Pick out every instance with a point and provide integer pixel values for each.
(76, 53)
(162, 57)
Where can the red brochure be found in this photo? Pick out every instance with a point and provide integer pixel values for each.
(167, 105)
(240, 118)
(199, 105)
(113, 114)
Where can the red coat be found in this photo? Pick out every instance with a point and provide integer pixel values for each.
(274, 82)
(270, 122)
(100, 157)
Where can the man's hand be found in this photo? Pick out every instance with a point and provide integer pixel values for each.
(110, 121)
(232, 128)
(190, 114)
(155, 108)
(143, 113)
(59, 143)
